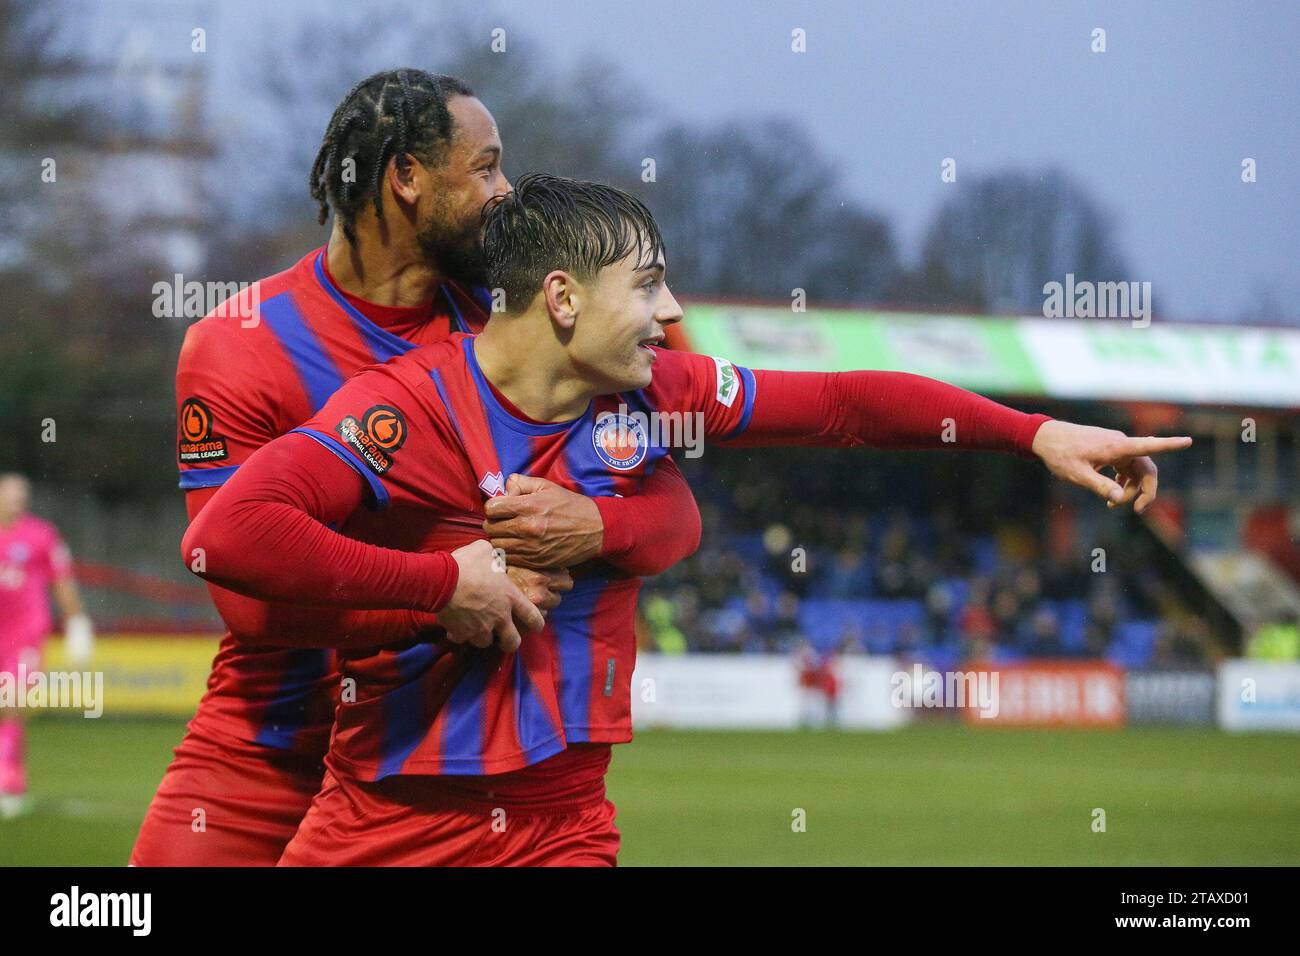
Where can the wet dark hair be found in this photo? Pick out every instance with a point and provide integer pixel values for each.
(550, 222)
(385, 115)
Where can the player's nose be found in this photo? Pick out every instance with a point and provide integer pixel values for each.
(669, 311)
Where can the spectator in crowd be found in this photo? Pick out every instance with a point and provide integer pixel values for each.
(1181, 640)
(978, 580)
(891, 577)
(785, 631)
(938, 615)
(761, 634)
(977, 624)
(665, 636)
(786, 563)
(1277, 640)
(1103, 615)
(847, 577)
(1042, 635)
(1006, 617)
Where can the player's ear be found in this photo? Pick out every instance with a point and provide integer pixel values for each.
(405, 176)
(563, 296)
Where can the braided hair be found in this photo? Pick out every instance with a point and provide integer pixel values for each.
(385, 115)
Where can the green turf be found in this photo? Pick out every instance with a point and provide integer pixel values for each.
(925, 795)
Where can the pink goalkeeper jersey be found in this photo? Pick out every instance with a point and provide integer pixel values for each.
(32, 556)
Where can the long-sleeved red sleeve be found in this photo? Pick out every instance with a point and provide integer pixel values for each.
(649, 532)
(264, 535)
(881, 410)
(279, 624)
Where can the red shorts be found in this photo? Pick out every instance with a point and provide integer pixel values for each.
(251, 799)
(352, 823)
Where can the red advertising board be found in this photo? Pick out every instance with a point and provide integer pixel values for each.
(1052, 694)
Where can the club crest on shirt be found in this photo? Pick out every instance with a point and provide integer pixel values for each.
(197, 442)
(378, 433)
(620, 441)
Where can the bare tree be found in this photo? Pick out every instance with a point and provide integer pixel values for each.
(1002, 237)
(753, 209)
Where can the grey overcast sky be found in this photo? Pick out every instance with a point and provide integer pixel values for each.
(1156, 127)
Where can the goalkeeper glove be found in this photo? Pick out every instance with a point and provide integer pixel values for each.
(78, 639)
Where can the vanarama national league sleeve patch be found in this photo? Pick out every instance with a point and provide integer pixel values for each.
(727, 381)
(375, 436)
(197, 443)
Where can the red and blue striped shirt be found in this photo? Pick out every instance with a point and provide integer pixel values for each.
(258, 366)
(433, 440)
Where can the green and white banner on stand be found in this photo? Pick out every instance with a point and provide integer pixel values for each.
(1061, 358)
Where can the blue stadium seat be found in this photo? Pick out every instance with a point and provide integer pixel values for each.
(1005, 655)
(736, 603)
(1073, 616)
(825, 620)
(946, 657)
(769, 586)
(750, 547)
(984, 552)
(959, 588)
(1134, 644)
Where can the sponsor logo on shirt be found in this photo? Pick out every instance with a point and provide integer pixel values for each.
(379, 433)
(386, 426)
(493, 484)
(197, 443)
(727, 381)
(620, 441)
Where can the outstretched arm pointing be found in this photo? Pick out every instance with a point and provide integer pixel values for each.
(1077, 453)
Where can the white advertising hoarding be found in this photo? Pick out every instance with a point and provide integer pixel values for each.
(723, 691)
(1092, 358)
(1259, 695)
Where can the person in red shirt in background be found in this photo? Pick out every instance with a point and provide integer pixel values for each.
(406, 165)
(33, 558)
(819, 683)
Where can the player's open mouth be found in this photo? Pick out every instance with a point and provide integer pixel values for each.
(647, 345)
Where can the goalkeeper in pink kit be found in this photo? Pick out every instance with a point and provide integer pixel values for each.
(32, 558)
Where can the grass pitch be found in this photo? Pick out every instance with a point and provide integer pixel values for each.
(924, 795)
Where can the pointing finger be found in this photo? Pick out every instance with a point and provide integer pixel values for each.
(1135, 447)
